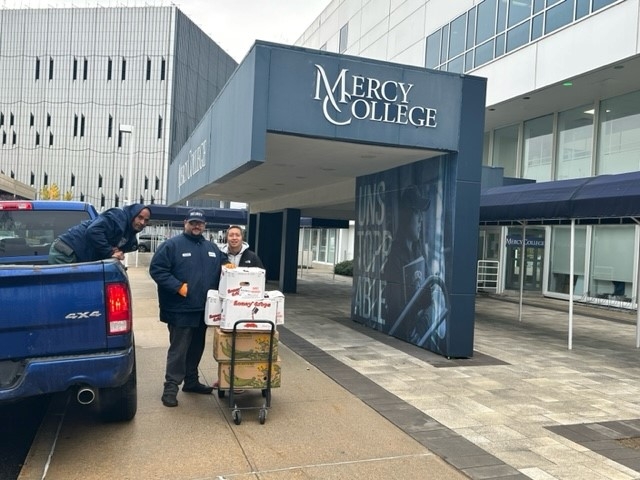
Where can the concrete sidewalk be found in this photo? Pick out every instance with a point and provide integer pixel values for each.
(358, 404)
(315, 429)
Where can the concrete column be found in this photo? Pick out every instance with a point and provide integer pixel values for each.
(289, 256)
(268, 239)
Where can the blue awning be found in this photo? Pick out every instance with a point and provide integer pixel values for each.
(218, 217)
(592, 198)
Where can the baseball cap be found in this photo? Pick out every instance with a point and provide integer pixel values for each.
(195, 215)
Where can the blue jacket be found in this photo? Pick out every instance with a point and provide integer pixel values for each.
(94, 239)
(189, 259)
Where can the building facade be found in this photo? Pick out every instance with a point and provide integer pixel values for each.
(93, 97)
(562, 102)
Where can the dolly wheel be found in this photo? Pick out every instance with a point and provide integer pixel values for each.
(262, 416)
(237, 417)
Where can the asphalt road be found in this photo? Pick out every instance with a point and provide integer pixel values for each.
(19, 424)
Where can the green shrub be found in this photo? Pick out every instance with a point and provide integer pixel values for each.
(344, 268)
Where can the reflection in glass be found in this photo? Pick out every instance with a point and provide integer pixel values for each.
(559, 266)
(575, 143)
(505, 150)
(559, 16)
(538, 147)
(619, 135)
(518, 36)
(457, 36)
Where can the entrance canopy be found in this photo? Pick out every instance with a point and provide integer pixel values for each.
(601, 199)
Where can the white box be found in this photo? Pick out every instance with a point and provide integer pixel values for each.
(249, 309)
(278, 297)
(213, 308)
(242, 281)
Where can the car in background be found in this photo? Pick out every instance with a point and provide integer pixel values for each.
(148, 242)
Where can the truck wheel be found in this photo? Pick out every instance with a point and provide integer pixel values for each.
(119, 404)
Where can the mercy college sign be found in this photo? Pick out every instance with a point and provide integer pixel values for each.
(196, 161)
(365, 98)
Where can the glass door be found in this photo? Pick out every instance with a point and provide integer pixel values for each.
(533, 264)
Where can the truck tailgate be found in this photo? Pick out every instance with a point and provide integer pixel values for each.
(48, 310)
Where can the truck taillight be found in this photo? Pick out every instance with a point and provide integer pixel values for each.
(118, 308)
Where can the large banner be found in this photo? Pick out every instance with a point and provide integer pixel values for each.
(403, 254)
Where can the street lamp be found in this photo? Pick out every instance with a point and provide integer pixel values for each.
(129, 129)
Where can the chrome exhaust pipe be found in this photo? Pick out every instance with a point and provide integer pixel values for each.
(86, 395)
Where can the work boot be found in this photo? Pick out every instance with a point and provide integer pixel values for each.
(198, 388)
(169, 400)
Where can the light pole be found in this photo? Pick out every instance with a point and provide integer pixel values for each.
(129, 129)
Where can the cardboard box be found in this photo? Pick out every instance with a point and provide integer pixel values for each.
(253, 311)
(213, 308)
(248, 374)
(242, 281)
(278, 297)
(250, 346)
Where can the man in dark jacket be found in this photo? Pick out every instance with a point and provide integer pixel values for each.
(237, 250)
(185, 267)
(110, 235)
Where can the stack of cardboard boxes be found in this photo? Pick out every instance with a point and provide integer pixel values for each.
(242, 308)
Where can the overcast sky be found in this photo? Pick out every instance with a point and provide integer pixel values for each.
(232, 24)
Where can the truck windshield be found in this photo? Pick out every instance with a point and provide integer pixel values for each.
(30, 232)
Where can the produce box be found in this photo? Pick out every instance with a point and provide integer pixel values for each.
(249, 374)
(241, 281)
(250, 346)
(213, 308)
(254, 310)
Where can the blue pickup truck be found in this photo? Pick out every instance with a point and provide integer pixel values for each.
(62, 327)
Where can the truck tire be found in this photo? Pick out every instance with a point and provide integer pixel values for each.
(119, 404)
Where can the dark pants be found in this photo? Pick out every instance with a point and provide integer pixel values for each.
(186, 345)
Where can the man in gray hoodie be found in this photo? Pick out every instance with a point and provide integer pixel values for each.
(237, 250)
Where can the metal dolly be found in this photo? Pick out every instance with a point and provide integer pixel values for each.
(236, 413)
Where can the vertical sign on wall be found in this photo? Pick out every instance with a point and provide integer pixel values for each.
(402, 252)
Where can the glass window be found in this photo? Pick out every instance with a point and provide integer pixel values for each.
(485, 148)
(502, 16)
(331, 253)
(500, 45)
(538, 6)
(538, 148)
(433, 50)
(505, 150)
(619, 130)
(344, 38)
(484, 53)
(468, 60)
(519, 10)
(559, 266)
(471, 27)
(518, 36)
(553, 2)
(457, 36)
(575, 143)
(559, 16)
(582, 8)
(612, 274)
(536, 27)
(598, 4)
(456, 65)
(486, 26)
(445, 44)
